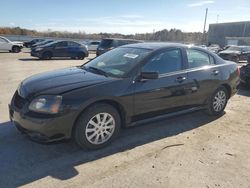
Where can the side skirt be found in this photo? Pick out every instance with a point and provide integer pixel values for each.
(156, 118)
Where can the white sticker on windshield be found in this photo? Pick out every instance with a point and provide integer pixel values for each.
(100, 64)
(132, 56)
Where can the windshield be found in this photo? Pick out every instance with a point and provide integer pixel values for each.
(52, 43)
(118, 62)
(5, 39)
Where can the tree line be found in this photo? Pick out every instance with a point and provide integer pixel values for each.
(172, 35)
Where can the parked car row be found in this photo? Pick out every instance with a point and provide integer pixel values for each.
(230, 52)
(46, 49)
(11, 46)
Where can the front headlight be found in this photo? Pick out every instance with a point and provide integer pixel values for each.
(48, 104)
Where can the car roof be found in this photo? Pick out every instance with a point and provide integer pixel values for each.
(121, 39)
(155, 45)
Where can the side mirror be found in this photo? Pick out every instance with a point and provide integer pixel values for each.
(149, 75)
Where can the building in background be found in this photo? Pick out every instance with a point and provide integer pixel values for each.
(234, 33)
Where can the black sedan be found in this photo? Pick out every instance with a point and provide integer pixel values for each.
(235, 53)
(245, 75)
(60, 49)
(126, 86)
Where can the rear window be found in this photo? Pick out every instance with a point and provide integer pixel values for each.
(106, 43)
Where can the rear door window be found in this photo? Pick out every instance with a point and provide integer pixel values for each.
(198, 58)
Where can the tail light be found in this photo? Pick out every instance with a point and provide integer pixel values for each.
(238, 71)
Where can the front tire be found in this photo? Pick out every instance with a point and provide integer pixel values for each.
(47, 55)
(16, 49)
(80, 56)
(97, 126)
(217, 101)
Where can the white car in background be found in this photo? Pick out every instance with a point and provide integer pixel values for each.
(92, 46)
(11, 46)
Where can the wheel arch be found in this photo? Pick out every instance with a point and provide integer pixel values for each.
(14, 46)
(228, 88)
(118, 106)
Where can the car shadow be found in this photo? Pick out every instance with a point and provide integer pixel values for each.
(30, 59)
(5, 52)
(24, 161)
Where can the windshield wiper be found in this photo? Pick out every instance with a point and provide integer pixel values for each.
(99, 71)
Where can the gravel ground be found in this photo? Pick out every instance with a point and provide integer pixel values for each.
(193, 150)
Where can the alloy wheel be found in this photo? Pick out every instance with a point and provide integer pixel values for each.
(219, 101)
(100, 128)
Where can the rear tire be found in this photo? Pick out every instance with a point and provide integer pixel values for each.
(80, 56)
(16, 49)
(97, 126)
(47, 55)
(217, 101)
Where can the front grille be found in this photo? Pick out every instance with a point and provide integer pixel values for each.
(19, 102)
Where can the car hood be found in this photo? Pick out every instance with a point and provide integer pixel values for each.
(229, 52)
(60, 81)
(17, 42)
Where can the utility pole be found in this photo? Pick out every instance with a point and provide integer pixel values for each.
(204, 29)
(217, 21)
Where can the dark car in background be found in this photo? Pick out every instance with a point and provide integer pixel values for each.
(42, 43)
(129, 85)
(235, 53)
(215, 48)
(70, 49)
(245, 75)
(111, 43)
(28, 44)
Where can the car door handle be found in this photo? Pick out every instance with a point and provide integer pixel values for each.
(181, 79)
(215, 72)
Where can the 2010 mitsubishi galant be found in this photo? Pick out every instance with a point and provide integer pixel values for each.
(128, 85)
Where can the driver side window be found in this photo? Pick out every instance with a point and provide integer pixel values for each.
(62, 44)
(164, 62)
